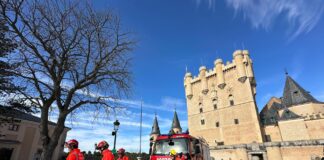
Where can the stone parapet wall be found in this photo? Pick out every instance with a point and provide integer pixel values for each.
(287, 150)
(252, 146)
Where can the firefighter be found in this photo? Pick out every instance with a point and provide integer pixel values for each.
(121, 154)
(74, 152)
(174, 156)
(182, 156)
(105, 152)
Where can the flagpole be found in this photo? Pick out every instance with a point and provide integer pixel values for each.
(141, 127)
(141, 119)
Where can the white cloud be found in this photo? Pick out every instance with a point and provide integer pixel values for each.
(301, 15)
(88, 134)
(166, 104)
(173, 102)
(89, 128)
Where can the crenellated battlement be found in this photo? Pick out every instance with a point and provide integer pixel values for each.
(241, 64)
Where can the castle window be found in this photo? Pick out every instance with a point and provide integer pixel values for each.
(215, 103)
(272, 120)
(217, 124)
(231, 100)
(202, 122)
(289, 114)
(220, 143)
(13, 127)
(200, 110)
(268, 138)
(236, 121)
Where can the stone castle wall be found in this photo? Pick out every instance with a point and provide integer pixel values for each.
(217, 109)
(222, 110)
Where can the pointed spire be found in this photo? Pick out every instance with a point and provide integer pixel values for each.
(155, 127)
(294, 94)
(175, 122)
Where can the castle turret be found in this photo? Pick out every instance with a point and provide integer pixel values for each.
(155, 130)
(154, 133)
(202, 75)
(240, 68)
(176, 127)
(248, 62)
(220, 75)
(187, 85)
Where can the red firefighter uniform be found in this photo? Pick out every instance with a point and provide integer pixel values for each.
(123, 158)
(75, 154)
(107, 155)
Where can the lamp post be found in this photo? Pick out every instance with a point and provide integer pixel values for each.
(114, 133)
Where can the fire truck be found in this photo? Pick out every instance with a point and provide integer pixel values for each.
(186, 147)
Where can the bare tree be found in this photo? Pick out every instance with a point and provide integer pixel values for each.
(70, 55)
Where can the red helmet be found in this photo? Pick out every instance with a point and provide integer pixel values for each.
(121, 150)
(73, 143)
(102, 144)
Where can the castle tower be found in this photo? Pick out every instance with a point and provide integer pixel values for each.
(154, 134)
(175, 128)
(221, 102)
(155, 130)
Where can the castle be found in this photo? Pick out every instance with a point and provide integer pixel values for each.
(222, 110)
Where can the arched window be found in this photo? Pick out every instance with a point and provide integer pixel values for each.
(201, 110)
(231, 100)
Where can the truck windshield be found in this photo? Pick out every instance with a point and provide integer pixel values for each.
(162, 147)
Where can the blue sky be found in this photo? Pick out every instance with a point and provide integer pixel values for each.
(173, 34)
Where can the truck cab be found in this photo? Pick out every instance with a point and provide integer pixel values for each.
(185, 146)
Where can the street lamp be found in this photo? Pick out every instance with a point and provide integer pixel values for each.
(114, 133)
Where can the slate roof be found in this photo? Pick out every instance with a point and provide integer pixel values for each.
(288, 114)
(8, 112)
(270, 115)
(294, 94)
(175, 122)
(155, 127)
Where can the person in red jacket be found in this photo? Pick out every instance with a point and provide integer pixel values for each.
(121, 154)
(105, 152)
(74, 152)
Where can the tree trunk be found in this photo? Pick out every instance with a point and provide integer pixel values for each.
(49, 149)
